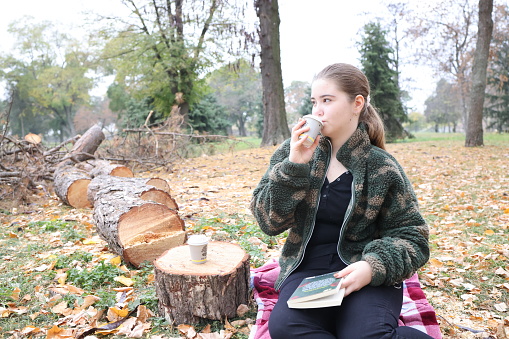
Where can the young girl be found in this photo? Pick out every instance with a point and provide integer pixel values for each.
(348, 207)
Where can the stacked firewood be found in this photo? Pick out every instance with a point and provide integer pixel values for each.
(137, 217)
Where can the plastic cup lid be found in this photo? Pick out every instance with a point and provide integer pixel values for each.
(198, 239)
(310, 116)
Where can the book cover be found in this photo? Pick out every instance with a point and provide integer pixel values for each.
(318, 291)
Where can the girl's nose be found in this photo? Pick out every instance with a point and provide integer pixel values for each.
(317, 111)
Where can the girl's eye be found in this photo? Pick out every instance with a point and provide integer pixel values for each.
(326, 100)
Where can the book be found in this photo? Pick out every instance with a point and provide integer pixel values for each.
(318, 291)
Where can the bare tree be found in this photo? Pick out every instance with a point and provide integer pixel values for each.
(474, 135)
(275, 126)
(444, 36)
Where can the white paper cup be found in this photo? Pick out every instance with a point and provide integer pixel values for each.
(198, 248)
(315, 126)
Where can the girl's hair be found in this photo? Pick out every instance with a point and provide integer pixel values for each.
(353, 82)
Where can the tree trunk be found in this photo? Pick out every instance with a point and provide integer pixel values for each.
(71, 184)
(136, 229)
(96, 167)
(86, 146)
(188, 292)
(474, 136)
(275, 125)
(148, 189)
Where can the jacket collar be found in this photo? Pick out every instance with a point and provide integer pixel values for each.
(354, 152)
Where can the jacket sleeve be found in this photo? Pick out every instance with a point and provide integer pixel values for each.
(280, 190)
(402, 246)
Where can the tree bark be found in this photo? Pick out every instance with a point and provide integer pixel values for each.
(474, 135)
(98, 167)
(148, 189)
(86, 146)
(188, 292)
(275, 125)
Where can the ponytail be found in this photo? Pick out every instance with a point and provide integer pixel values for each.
(374, 126)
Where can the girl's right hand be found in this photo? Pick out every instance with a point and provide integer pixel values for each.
(299, 153)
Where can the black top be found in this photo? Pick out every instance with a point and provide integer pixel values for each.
(334, 200)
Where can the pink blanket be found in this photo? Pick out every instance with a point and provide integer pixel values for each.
(416, 311)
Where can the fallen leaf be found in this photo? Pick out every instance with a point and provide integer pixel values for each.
(116, 261)
(89, 300)
(15, 293)
(501, 307)
(124, 280)
(60, 308)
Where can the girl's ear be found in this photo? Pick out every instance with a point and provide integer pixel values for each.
(358, 104)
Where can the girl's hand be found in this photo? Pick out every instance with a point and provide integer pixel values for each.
(299, 153)
(357, 275)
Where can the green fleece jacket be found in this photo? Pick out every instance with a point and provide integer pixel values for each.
(382, 226)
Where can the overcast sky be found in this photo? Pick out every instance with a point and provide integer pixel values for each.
(313, 33)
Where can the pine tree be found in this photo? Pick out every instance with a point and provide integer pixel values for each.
(377, 63)
(497, 107)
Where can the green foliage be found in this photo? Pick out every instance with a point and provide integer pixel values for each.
(136, 113)
(443, 107)
(118, 96)
(68, 230)
(306, 107)
(416, 122)
(378, 66)
(208, 116)
(297, 100)
(77, 258)
(238, 90)
(497, 105)
(53, 84)
(165, 49)
(99, 276)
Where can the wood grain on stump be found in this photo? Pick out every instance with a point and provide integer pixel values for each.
(189, 293)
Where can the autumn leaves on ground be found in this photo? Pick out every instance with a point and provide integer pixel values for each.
(58, 279)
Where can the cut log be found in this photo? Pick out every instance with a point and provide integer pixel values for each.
(98, 167)
(71, 185)
(86, 146)
(131, 225)
(139, 187)
(189, 293)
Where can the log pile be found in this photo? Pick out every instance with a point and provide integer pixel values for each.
(137, 217)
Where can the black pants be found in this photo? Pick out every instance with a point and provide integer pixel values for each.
(371, 312)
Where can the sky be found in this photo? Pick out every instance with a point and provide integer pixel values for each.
(313, 34)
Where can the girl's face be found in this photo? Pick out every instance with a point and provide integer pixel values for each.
(339, 114)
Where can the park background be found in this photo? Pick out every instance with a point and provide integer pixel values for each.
(93, 63)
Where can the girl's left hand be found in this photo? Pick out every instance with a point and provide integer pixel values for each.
(357, 275)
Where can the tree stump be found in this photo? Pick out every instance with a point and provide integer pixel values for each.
(138, 187)
(71, 186)
(189, 293)
(136, 229)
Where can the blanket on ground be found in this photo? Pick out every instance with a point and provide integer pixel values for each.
(416, 311)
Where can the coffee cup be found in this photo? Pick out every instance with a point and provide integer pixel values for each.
(198, 248)
(315, 126)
